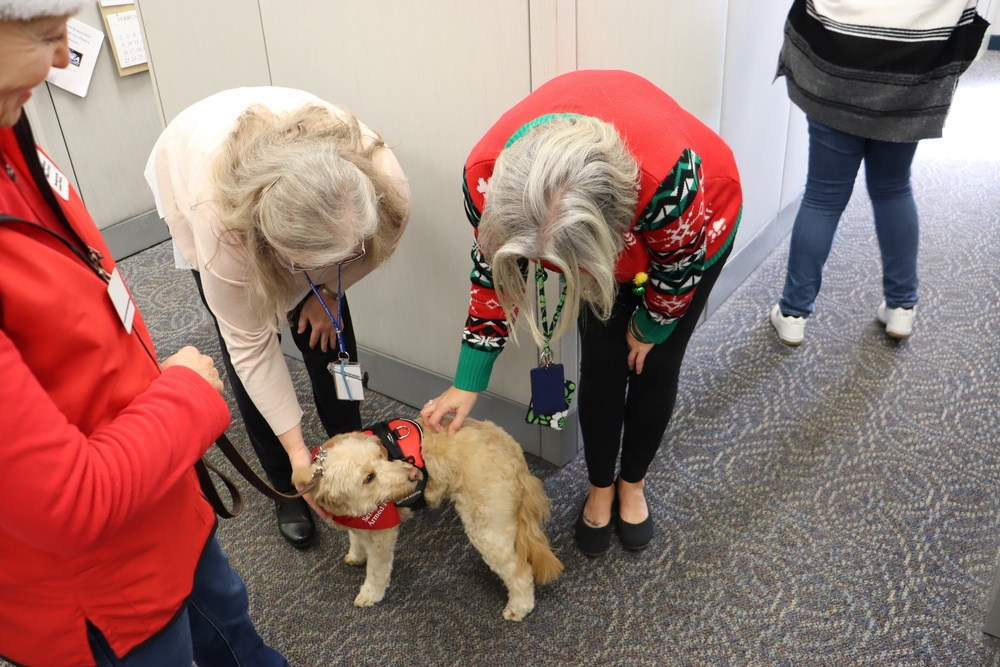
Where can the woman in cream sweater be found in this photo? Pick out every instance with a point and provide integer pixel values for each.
(266, 190)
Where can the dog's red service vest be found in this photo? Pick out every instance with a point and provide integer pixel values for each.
(385, 516)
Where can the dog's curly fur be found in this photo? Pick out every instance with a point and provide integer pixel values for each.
(480, 468)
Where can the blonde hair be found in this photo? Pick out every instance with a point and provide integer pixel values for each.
(302, 187)
(564, 192)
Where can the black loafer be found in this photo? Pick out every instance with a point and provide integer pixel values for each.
(295, 522)
(635, 536)
(593, 541)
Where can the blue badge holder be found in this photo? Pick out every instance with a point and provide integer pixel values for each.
(548, 393)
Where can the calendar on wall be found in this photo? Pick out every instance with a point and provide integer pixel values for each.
(125, 36)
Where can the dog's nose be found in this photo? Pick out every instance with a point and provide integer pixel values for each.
(414, 475)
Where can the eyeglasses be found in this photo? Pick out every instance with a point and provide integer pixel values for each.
(296, 268)
(356, 256)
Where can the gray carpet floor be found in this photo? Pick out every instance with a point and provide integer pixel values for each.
(834, 504)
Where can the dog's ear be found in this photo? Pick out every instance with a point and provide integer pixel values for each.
(371, 437)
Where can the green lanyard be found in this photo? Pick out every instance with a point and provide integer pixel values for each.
(548, 328)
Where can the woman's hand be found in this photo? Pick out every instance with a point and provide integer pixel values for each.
(636, 353)
(301, 461)
(313, 315)
(202, 364)
(454, 400)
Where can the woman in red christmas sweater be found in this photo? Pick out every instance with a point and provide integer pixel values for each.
(602, 177)
(107, 546)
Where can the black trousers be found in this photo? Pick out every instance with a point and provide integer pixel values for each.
(336, 416)
(620, 411)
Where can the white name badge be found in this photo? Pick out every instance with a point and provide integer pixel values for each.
(348, 380)
(121, 300)
(56, 178)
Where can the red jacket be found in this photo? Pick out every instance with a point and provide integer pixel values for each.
(101, 514)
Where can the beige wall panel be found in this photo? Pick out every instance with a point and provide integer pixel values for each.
(200, 48)
(679, 46)
(796, 160)
(553, 39)
(796, 156)
(755, 109)
(108, 135)
(990, 10)
(431, 77)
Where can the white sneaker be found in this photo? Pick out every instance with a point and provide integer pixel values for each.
(898, 321)
(791, 329)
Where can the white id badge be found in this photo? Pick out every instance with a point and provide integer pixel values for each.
(56, 178)
(348, 380)
(122, 301)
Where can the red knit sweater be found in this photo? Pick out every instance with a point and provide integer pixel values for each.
(690, 202)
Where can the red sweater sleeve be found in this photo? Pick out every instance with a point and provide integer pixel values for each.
(64, 491)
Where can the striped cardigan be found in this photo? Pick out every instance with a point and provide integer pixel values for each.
(884, 70)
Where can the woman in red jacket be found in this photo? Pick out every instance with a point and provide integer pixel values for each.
(107, 546)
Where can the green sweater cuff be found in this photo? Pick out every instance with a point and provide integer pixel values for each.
(652, 331)
(474, 368)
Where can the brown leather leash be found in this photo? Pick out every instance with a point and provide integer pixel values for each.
(204, 468)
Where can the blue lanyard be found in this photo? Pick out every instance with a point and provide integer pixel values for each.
(343, 356)
(340, 313)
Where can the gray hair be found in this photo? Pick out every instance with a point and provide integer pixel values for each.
(302, 187)
(564, 192)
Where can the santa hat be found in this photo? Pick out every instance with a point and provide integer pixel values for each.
(23, 10)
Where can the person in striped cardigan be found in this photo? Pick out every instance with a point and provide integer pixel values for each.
(873, 79)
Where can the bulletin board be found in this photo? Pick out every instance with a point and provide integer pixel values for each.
(125, 36)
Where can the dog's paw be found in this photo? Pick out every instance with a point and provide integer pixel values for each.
(367, 597)
(355, 559)
(512, 613)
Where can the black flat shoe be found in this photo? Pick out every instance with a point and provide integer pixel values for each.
(593, 541)
(635, 536)
(295, 522)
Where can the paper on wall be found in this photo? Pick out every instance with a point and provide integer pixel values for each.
(84, 47)
(127, 38)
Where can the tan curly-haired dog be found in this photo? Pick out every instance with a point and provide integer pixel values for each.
(480, 468)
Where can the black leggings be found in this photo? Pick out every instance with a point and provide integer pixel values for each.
(337, 416)
(612, 397)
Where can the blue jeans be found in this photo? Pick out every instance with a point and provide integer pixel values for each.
(834, 159)
(212, 630)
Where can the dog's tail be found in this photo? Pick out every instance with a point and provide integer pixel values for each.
(531, 543)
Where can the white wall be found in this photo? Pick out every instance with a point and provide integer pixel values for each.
(431, 77)
(766, 132)
(990, 10)
(199, 48)
(679, 46)
(717, 59)
(431, 98)
(101, 141)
